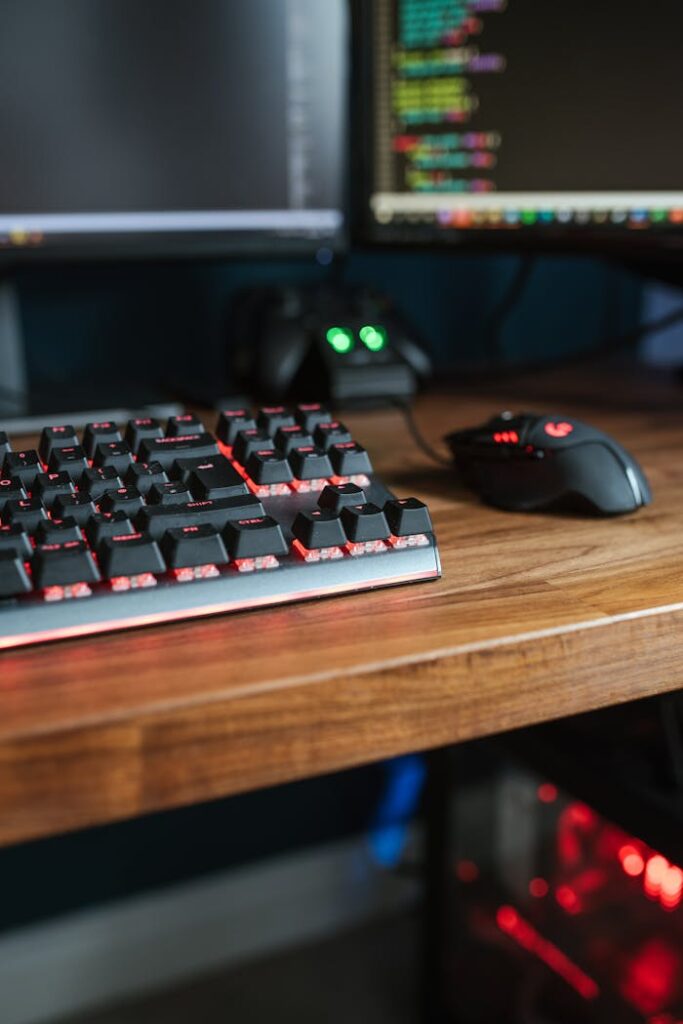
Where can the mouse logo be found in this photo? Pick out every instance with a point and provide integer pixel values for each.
(562, 429)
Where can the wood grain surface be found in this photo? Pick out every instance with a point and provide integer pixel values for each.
(536, 617)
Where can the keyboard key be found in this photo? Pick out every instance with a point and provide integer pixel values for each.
(165, 450)
(99, 480)
(10, 488)
(140, 429)
(79, 506)
(332, 432)
(15, 538)
(350, 458)
(271, 417)
(71, 460)
(24, 466)
(130, 554)
(47, 486)
(114, 453)
(254, 537)
(310, 414)
(230, 422)
(188, 423)
(216, 478)
(320, 528)
(336, 496)
(156, 519)
(56, 437)
(14, 580)
(193, 545)
(99, 433)
(28, 512)
(408, 516)
(123, 499)
(288, 438)
(143, 476)
(57, 531)
(310, 463)
(107, 524)
(180, 510)
(364, 522)
(59, 565)
(172, 493)
(268, 467)
(248, 441)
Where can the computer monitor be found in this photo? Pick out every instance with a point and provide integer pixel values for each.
(521, 123)
(171, 126)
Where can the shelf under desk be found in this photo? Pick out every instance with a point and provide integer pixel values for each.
(536, 617)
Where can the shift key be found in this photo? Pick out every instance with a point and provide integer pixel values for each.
(156, 519)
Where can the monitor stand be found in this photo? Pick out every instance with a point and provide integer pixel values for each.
(21, 412)
(14, 399)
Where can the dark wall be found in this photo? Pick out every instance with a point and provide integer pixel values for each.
(160, 323)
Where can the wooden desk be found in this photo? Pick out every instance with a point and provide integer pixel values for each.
(536, 617)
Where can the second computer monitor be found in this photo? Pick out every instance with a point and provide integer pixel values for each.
(491, 119)
(132, 127)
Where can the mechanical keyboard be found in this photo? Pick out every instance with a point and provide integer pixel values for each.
(118, 528)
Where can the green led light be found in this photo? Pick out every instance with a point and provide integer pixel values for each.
(340, 338)
(528, 217)
(374, 338)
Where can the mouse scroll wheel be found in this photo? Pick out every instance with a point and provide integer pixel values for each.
(558, 428)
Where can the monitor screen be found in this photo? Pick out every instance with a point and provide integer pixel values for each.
(486, 117)
(157, 124)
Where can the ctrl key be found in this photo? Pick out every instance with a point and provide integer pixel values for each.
(14, 580)
(254, 538)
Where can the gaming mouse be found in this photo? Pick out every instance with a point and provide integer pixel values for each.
(526, 461)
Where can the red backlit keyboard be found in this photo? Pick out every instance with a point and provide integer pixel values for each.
(146, 524)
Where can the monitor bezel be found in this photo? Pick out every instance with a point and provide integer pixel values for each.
(204, 245)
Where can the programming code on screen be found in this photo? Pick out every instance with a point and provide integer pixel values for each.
(436, 72)
(490, 113)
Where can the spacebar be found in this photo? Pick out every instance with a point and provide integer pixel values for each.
(156, 519)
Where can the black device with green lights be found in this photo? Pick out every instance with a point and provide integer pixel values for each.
(348, 344)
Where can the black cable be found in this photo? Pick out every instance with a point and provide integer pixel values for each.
(416, 434)
(651, 327)
(609, 346)
(510, 299)
(493, 328)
